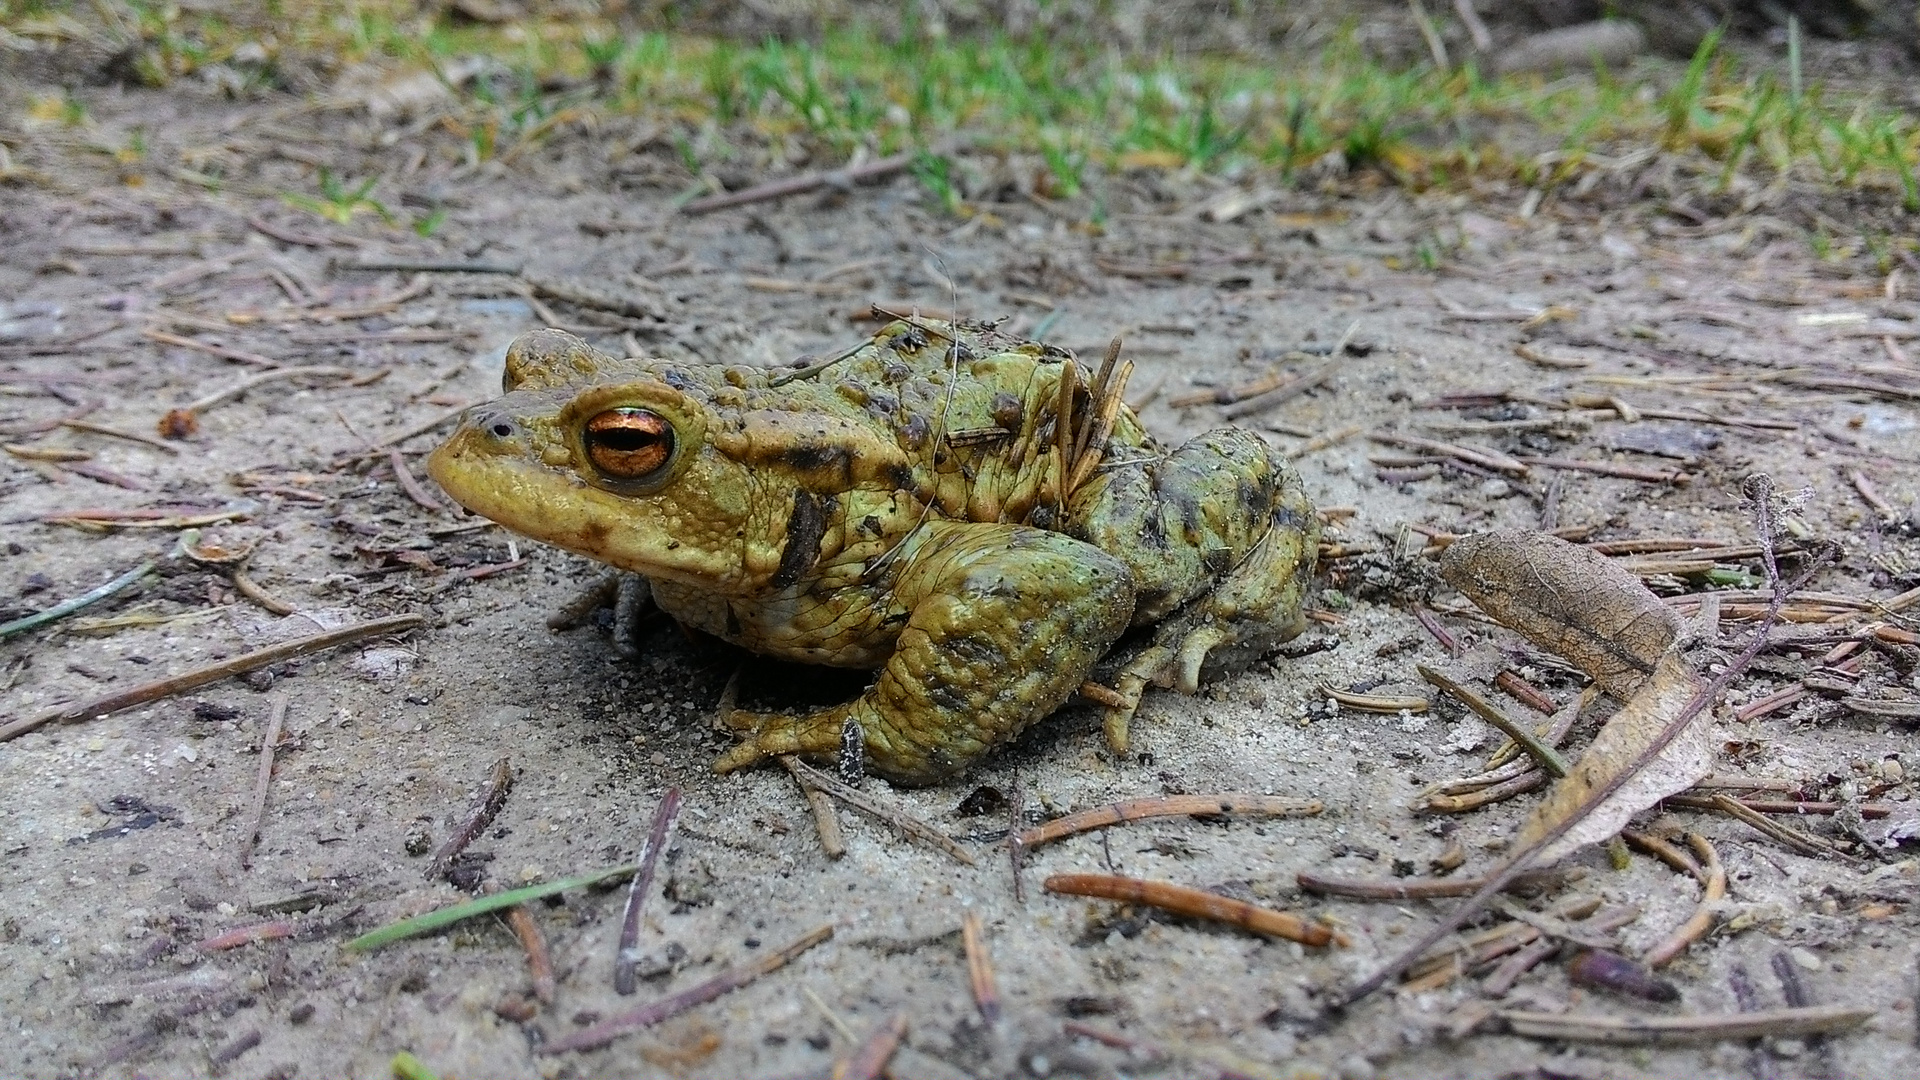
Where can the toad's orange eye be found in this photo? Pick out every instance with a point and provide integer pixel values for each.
(629, 444)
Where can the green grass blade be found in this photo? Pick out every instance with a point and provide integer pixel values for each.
(436, 920)
(407, 1067)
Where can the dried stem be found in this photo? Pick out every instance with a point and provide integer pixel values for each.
(499, 783)
(625, 979)
(539, 960)
(870, 1058)
(411, 484)
(1198, 903)
(1673, 1030)
(1702, 919)
(666, 1008)
(1803, 842)
(980, 967)
(899, 819)
(1165, 806)
(1539, 750)
(261, 781)
(201, 676)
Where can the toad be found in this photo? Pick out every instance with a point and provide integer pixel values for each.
(970, 515)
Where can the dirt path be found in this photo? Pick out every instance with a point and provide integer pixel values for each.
(1581, 330)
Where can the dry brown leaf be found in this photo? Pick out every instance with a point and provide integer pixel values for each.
(1568, 599)
(1621, 744)
(1596, 614)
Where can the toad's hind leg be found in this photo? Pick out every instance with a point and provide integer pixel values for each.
(1003, 622)
(1221, 540)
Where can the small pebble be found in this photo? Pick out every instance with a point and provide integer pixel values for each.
(1806, 958)
(419, 838)
(1356, 1067)
(1891, 771)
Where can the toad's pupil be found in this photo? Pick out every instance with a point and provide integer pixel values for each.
(626, 439)
(629, 443)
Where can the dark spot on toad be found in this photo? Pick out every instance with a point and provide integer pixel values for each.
(806, 525)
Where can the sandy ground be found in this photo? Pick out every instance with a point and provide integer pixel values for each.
(122, 836)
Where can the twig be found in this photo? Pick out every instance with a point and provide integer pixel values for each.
(1796, 840)
(726, 982)
(1435, 46)
(1165, 806)
(68, 607)
(1476, 30)
(1374, 702)
(421, 428)
(429, 266)
(893, 816)
(1748, 999)
(214, 672)
(1516, 965)
(1666, 853)
(1788, 807)
(1758, 488)
(539, 960)
(253, 381)
(251, 589)
(870, 1059)
(1532, 744)
(1702, 920)
(826, 821)
(1322, 442)
(1531, 780)
(1419, 888)
(262, 780)
(1486, 459)
(1672, 1030)
(1198, 903)
(625, 980)
(116, 433)
(221, 351)
(1441, 634)
(246, 935)
(980, 968)
(1608, 468)
(1285, 392)
(800, 185)
(1142, 1050)
(411, 484)
(291, 236)
(1524, 692)
(1794, 989)
(227, 1054)
(499, 783)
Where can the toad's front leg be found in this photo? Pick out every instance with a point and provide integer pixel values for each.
(1004, 622)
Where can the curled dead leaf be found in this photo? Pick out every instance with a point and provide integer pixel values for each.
(1567, 599)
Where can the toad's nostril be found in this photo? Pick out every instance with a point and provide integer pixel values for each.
(496, 424)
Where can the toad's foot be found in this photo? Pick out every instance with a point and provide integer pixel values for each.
(1160, 665)
(1002, 623)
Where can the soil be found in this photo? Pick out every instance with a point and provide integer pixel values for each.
(123, 834)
